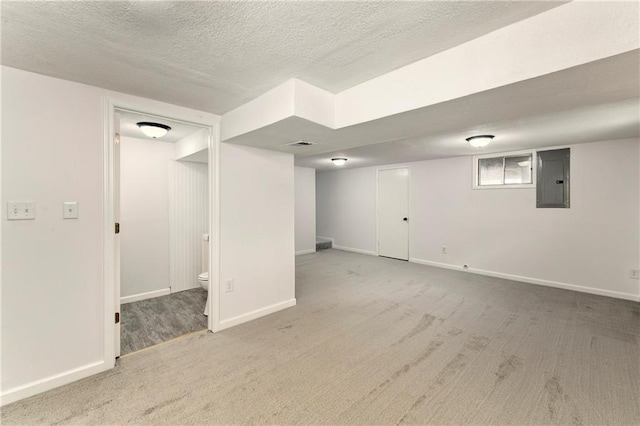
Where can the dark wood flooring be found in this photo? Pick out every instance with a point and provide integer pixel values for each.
(151, 321)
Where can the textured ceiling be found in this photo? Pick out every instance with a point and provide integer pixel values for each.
(215, 56)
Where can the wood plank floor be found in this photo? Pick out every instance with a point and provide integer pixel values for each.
(151, 321)
(379, 341)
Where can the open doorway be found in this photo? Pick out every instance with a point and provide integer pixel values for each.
(161, 194)
(161, 199)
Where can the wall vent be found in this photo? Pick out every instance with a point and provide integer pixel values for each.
(301, 143)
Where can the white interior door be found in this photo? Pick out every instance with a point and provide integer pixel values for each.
(393, 213)
(116, 215)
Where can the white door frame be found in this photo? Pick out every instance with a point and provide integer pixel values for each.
(382, 169)
(210, 121)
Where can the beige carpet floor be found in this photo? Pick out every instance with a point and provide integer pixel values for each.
(380, 341)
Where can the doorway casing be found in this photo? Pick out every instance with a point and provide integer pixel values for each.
(212, 123)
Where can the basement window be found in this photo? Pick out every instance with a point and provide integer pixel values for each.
(508, 170)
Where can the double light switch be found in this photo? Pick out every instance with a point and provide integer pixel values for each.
(21, 210)
(26, 210)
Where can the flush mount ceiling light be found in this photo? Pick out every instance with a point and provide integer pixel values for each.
(153, 130)
(339, 161)
(524, 163)
(480, 140)
(301, 143)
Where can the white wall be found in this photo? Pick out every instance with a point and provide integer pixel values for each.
(188, 220)
(192, 144)
(589, 247)
(346, 208)
(256, 233)
(144, 215)
(305, 209)
(52, 269)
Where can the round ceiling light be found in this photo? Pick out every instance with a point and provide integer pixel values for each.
(480, 141)
(153, 130)
(339, 161)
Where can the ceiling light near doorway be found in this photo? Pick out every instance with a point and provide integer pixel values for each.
(480, 141)
(301, 143)
(153, 130)
(339, 161)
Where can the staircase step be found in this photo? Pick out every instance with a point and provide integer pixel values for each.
(323, 245)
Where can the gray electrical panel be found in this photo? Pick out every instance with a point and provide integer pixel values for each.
(552, 182)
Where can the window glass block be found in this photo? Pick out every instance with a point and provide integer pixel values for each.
(490, 171)
(517, 170)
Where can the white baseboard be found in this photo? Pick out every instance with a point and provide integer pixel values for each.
(43, 385)
(147, 295)
(256, 314)
(332, 240)
(301, 252)
(355, 250)
(529, 280)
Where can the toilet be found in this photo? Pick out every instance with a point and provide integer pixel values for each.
(203, 278)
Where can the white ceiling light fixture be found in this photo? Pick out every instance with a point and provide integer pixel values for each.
(301, 142)
(480, 141)
(339, 161)
(153, 130)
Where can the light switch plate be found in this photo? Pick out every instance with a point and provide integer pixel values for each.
(70, 210)
(21, 210)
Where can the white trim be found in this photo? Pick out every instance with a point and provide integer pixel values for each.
(355, 250)
(249, 316)
(48, 383)
(507, 153)
(301, 252)
(143, 296)
(108, 217)
(213, 319)
(529, 280)
(210, 121)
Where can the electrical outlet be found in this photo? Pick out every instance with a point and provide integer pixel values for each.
(634, 273)
(228, 285)
(444, 250)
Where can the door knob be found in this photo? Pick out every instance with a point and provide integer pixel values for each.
(405, 219)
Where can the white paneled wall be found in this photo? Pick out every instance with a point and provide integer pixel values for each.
(188, 213)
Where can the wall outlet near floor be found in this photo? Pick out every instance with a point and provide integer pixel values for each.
(444, 250)
(228, 285)
(634, 273)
